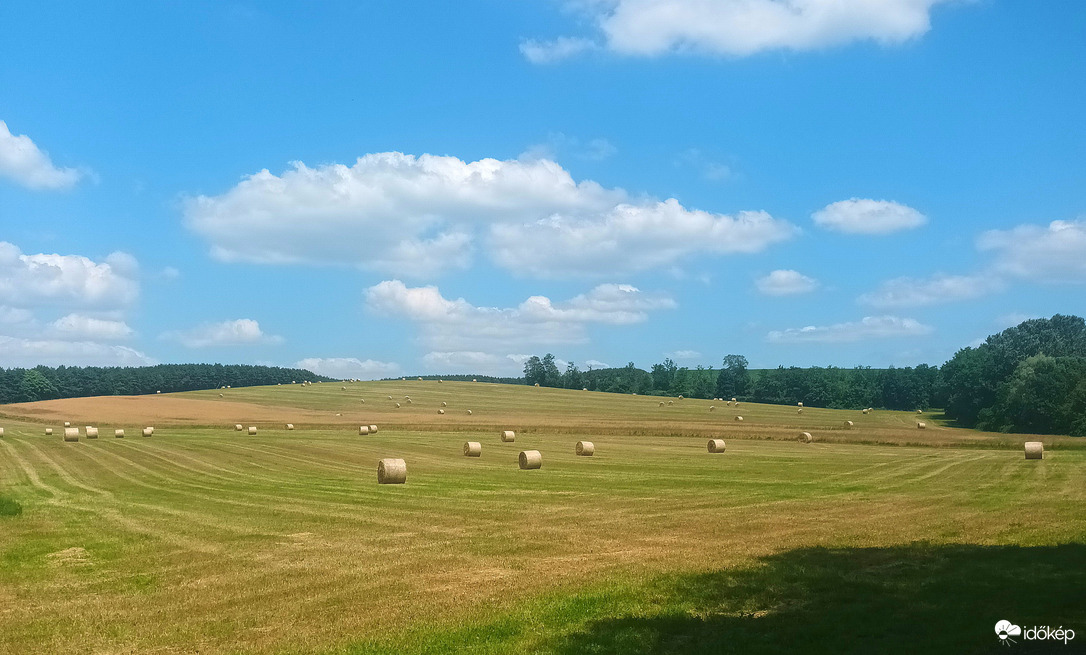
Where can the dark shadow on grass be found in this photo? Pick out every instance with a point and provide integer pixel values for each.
(913, 599)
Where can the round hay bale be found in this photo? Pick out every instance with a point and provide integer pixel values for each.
(363, 401)
(148, 431)
(671, 402)
(71, 434)
(473, 449)
(440, 381)
(584, 388)
(920, 425)
(444, 404)
(530, 459)
(118, 434)
(390, 397)
(537, 384)
(469, 412)
(848, 424)
(220, 395)
(680, 397)
(252, 429)
(805, 437)
(373, 429)
(585, 448)
(343, 388)
(420, 379)
(865, 411)
(409, 401)
(391, 471)
(661, 403)
(440, 411)
(799, 411)
(1, 432)
(363, 429)
(158, 392)
(733, 400)
(474, 380)
(239, 427)
(48, 431)
(716, 445)
(92, 432)
(919, 411)
(1035, 450)
(290, 426)
(739, 419)
(508, 436)
(67, 424)
(397, 405)
(799, 404)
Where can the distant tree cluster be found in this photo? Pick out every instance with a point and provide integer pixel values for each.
(45, 383)
(1028, 378)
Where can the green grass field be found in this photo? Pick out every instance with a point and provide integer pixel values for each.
(878, 539)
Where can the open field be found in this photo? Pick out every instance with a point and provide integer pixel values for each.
(882, 538)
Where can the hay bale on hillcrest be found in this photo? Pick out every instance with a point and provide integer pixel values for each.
(716, 445)
(148, 431)
(473, 449)
(865, 411)
(508, 436)
(537, 384)
(290, 426)
(92, 432)
(48, 431)
(739, 419)
(799, 404)
(71, 434)
(373, 429)
(1035, 450)
(252, 429)
(848, 424)
(806, 437)
(391, 471)
(585, 448)
(530, 459)
(119, 434)
(680, 397)
(919, 411)
(920, 425)
(363, 429)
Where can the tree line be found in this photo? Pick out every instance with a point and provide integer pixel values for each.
(46, 383)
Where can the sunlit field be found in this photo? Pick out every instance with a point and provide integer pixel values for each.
(875, 538)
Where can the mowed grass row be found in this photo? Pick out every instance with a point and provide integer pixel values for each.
(214, 541)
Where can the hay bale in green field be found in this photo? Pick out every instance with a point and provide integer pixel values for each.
(585, 448)
(473, 449)
(119, 434)
(391, 471)
(715, 445)
(805, 437)
(1035, 450)
(530, 459)
(71, 434)
(508, 436)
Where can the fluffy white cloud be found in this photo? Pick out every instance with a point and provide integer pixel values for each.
(457, 326)
(596, 364)
(785, 283)
(417, 216)
(79, 327)
(349, 367)
(739, 27)
(239, 332)
(871, 327)
(474, 361)
(1056, 253)
(22, 161)
(913, 292)
(684, 354)
(33, 352)
(31, 280)
(863, 216)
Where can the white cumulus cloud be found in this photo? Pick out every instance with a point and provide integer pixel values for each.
(458, 326)
(596, 364)
(349, 367)
(22, 161)
(785, 283)
(738, 27)
(1052, 253)
(937, 289)
(17, 352)
(419, 216)
(239, 332)
(870, 327)
(864, 216)
(79, 327)
(32, 280)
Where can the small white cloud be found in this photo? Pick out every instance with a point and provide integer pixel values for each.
(549, 52)
(34, 280)
(684, 354)
(78, 327)
(871, 327)
(596, 364)
(240, 332)
(938, 289)
(864, 216)
(713, 171)
(169, 273)
(1053, 253)
(738, 28)
(22, 161)
(349, 368)
(785, 283)
(16, 352)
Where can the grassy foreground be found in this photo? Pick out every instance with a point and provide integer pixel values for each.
(202, 539)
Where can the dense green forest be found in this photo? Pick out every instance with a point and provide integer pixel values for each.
(45, 383)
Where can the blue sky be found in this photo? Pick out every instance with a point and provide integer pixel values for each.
(386, 188)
